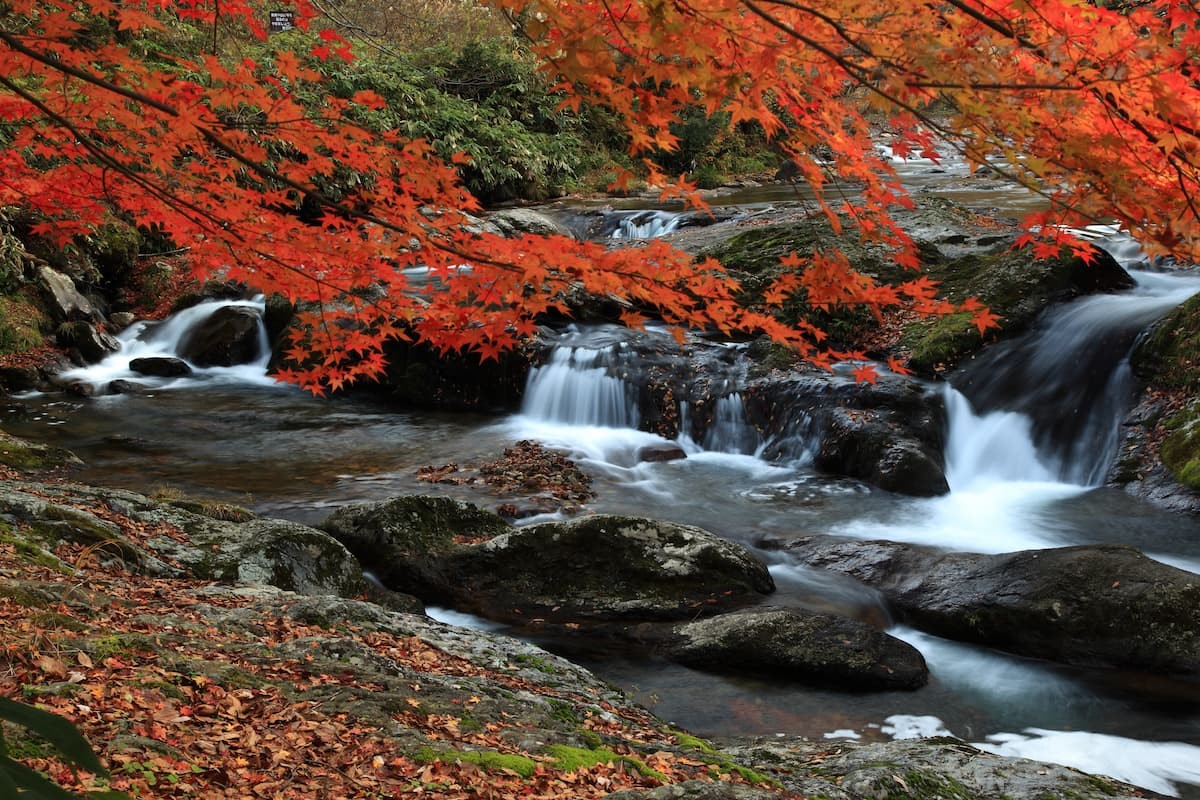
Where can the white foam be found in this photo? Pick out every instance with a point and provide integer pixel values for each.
(461, 620)
(910, 726)
(1157, 766)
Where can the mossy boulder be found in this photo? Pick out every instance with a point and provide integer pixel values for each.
(797, 645)
(1180, 451)
(592, 568)
(25, 455)
(400, 540)
(1091, 605)
(229, 336)
(23, 324)
(1169, 357)
(602, 568)
(1014, 285)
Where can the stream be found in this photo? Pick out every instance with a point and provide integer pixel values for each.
(1031, 433)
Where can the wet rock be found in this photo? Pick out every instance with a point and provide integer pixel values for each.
(229, 336)
(798, 645)
(19, 378)
(160, 366)
(92, 343)
(880, 451)
(122, 319)
(63, 300)
(890, 434)
(919, 769)
(1092, 605)
(659, 453)
(26, 455)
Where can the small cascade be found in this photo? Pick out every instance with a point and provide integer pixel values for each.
(168, 340)
(575, 387)
(1049, 404)
(645, 224)
(730, 431)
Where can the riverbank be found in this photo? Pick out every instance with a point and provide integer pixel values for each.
(190, 687)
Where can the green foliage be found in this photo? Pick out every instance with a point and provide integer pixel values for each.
(1181, 449)
(486, 100)
(572, 758)
(19, 781)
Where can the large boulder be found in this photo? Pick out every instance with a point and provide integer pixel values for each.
(793, 644)
(1092, 605)
(63, 300)
(512, 222)
(229, 336)
(160, 366)
(592, 568)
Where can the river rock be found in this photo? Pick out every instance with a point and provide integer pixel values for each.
(799, 645)
(889, 434)
(160, 366)
(400, 540)
(92, 343)
(512, 222)
(1091, 605)
(229, 336)
(596, 568)
(918, 769)
(660, 452)
(63, 300)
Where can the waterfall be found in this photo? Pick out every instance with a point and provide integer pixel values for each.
(1048, 405)
(730, 431)
(166, 339)
(575, 388)
(645, 224)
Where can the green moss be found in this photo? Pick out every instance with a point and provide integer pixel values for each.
(921, 785)
(485, 759)
(25, 455)
(569, 758)
(940, 342)
(31, 553)
(21, 597)
(23, 324)
(53, 620)
(224, 512)
(1170, 357)
(20, 743)
(563, 711)
(1180, 451)
(534, 662)
(692, 742)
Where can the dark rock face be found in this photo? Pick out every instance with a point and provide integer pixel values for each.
(160, 367)
(229, 336)
(800, 645)
(592, 568)
(1092, 605)
(889, 434)
(92, 343)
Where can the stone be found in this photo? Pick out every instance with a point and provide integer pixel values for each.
(660, 452)
(1091, 605)
(160, 366)
(918, 769)
(228, 337)
(122, 319)
(798, 645)
(63, 300)
(513, 222)
(93, 344)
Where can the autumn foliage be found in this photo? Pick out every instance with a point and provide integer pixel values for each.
(1095, 108)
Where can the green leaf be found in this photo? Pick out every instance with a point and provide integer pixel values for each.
(55, 730)
(37, 786)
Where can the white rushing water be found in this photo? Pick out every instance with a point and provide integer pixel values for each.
(163, 340)
(649, 224)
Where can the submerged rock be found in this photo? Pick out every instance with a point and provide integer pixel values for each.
(1092, 605)
(798, 645)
